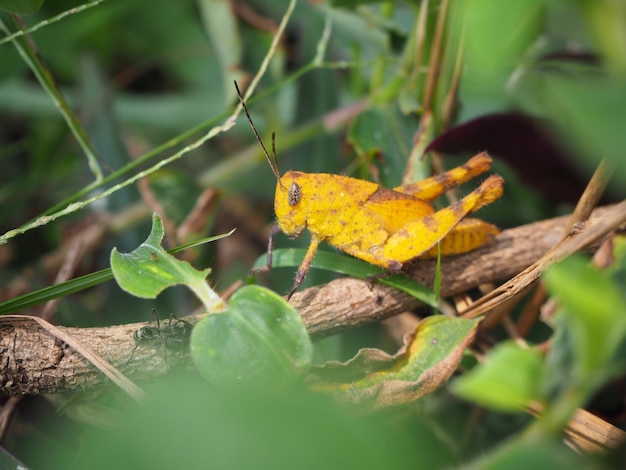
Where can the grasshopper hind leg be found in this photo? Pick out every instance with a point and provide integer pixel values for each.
(435, 186)
(468, 235)
(420, 237)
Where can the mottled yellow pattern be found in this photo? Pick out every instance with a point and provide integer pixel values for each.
(385, 227)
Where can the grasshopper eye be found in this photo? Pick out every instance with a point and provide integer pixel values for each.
(294, 195)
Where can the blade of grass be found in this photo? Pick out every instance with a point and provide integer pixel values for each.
(292, 257)
(78, 284)
(437, 283)
(25, 49)
(49, 21)
(230, 121)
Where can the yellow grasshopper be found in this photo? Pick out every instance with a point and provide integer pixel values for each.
(385, 227)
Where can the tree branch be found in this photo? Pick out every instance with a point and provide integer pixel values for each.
(33, 361)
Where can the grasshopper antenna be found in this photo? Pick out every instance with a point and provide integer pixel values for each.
(274, 163)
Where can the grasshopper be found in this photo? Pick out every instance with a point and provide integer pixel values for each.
(385, 227)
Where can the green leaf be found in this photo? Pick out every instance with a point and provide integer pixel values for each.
(78, 284)
(21, 7)
(588, 115)
(55, 291)
(259, 338)
(188, 423)
(292, 257)
(594, 309)
(375, 380)
(386, 132)
(9, 461)
(148, 270)
(518, 454)
(560, 360)
(490, 62)
(507, 381)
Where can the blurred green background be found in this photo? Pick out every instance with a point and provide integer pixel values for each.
(541, 86)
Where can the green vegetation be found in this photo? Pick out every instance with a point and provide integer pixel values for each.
(127, 164)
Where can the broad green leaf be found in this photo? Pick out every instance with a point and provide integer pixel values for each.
(148, 270)
(595, 310)
(518, 454)
(292, 257)
(190, 424)
(507, 381)
(374, 380)
(78, 284)
(259, 338)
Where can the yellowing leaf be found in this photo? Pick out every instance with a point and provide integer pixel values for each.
(374, 380)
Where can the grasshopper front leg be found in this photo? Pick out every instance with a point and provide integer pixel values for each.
(270, 248)
(305, 265)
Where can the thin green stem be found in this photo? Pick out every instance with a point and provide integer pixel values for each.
(73, 203)
(49, 21)
(210, 299)
(25, 49)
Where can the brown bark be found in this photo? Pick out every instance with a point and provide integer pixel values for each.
(33, 361)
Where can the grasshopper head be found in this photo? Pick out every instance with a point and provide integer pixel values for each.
(290, 203)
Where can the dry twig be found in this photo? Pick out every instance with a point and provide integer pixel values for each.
(33, 361)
